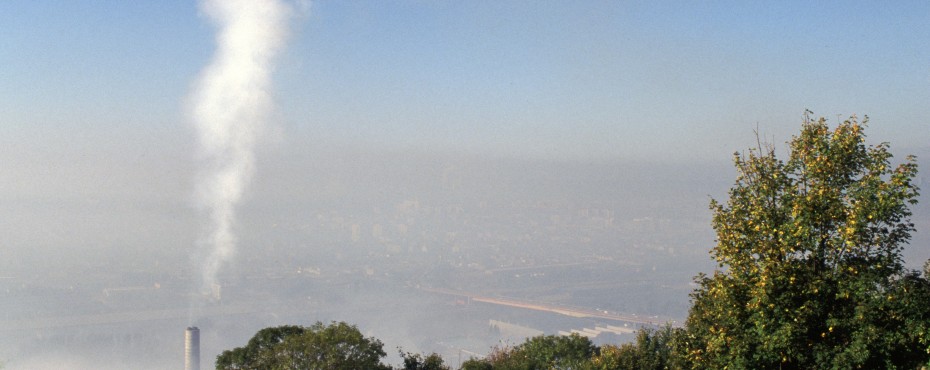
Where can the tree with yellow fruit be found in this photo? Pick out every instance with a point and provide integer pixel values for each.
(810, 271)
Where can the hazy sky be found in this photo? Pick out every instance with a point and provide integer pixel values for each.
(673, 81)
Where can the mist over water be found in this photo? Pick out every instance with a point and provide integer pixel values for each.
(231, 103)
(335, 234)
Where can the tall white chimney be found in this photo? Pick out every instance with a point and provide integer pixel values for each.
(192, 348)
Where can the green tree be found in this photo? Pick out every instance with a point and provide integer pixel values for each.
(539, 353)
(414, 361)
(652, 350)
(337, 346)
(258, 353)
(476, 364)
(810, 268)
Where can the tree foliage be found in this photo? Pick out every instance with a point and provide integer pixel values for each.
(810, 268)
(652, 350)
(539, 353)
(258, 353)
(337, 346)
(414, 361)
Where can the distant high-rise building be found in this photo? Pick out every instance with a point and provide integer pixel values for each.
(216, 292)
(356, 232)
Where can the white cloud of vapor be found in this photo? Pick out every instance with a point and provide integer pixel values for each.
(230, 105)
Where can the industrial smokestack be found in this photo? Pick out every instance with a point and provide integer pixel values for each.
(192, 348)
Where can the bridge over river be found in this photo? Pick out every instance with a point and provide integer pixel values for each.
(573, 311)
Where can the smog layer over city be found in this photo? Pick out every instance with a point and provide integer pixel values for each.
(446, 176)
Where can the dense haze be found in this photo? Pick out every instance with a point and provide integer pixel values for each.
(490, 226)
(420, 160)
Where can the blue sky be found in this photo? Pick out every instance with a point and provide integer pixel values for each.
(669, 81)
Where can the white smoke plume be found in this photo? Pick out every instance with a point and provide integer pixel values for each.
(231, 103)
